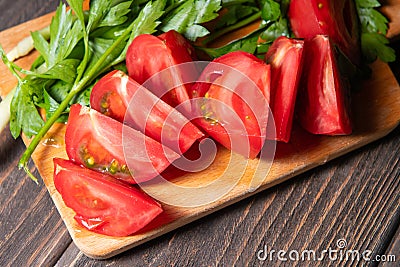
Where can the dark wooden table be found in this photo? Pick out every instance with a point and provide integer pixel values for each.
(354, 198)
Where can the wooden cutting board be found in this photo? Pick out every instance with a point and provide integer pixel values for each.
(376, 110)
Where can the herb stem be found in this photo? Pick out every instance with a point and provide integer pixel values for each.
(233, 27)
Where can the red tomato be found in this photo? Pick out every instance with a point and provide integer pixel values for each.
(115, 92)
(176, 41)
(285, 57)
(96, 141)
(322, 99)
(149, 55)
(234, 110)
(103, 204)
(337, 19)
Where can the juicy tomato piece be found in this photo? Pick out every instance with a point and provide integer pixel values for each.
(285, 58)
(234, 90)
(175, 41)
(337, 19)
(122, 98)
(149, 55)
(322, 97)
(102, 143)
(103, 204)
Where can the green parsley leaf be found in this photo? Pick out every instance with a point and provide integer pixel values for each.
(24, 114)
(148, 19)
(187, 18)
(50, 105)
(368, 3)
(65, 33)
(271, 11)
(374, 25)
(107, 13)
(276, 29)
(374, 45)
(64, 70)
(372, 21)
(77, 7)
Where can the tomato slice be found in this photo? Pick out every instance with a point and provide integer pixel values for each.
(285, 57)
(234, 90)
(337, 19)
(148, 55)
(175, 41)
(116, 93)
(103, 204)
(322, 98)
(97, 142)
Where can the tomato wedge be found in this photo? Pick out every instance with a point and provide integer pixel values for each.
(285, 58)
(234, 90)
(122, 98)
(337, 19)
(175, 41)
(97, 142)
(149, 55)
(323, 99)
(103, 204)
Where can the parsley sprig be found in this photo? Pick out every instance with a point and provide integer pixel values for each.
(82, 46)
(374, 26)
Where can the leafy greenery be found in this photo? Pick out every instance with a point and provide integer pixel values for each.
(373, 32)
(273, 23)
(187, 18)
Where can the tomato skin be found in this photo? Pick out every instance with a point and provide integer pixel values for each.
(337, 19)
(175, 41)
(103, 204)
(225, 85)
(171, 49)
(285, 57)
(147, 113)
(95, 141)
(322, 105)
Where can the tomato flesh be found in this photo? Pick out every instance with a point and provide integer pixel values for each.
(234, 90)
(149, 55)
(120, 97)
(322, 105)
(285, 58)
(97, 142)
(175, 41)
(337, 19)
(103, 204)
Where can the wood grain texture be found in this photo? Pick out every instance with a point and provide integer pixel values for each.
(393, 248)
(354, 197)
(30, 225)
